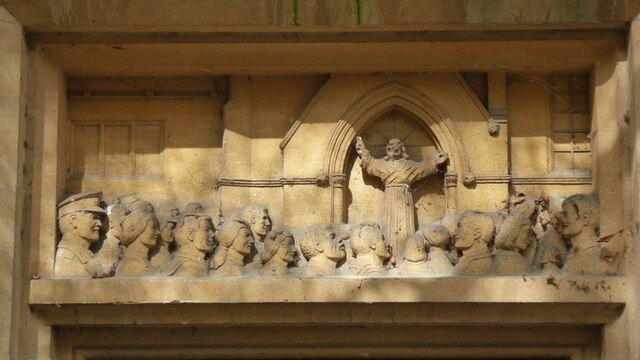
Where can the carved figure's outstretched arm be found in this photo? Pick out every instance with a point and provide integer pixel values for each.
(361, 150)
(369, 164)
(441, 157)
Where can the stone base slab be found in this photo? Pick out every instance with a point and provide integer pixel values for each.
(211, 301)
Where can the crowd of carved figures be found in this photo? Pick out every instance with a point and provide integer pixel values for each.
(128, 236)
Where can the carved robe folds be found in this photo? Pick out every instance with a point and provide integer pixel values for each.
(398, 175)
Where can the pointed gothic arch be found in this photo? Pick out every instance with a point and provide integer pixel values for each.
(370, 106)
(385, 98)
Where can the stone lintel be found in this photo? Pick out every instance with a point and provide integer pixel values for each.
(408, 301)
(156, 290)
(207, 59)
(347, 36)
(282, 314)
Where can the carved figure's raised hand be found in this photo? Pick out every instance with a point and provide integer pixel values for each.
(441, 158)
(360, 148)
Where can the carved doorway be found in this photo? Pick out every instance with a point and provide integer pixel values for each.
(364, 195)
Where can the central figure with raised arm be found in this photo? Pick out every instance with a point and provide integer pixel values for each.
(398, 172)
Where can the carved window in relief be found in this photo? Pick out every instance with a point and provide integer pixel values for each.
(570, 123)
(117, 149)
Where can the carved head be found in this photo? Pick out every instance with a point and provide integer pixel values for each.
(437, 236)
(85, 223)
(195, 229)
(133, 203)
(193, 208)
(321, 240)
(396, 150)
(116, 214)
(167, 232)
(521, 204)
(168, 216)
(515, 233)
(415, 248)
(216, 216)
(544, 216)
(80, 214)
(579, 212)
(450, 222)
(258, 219)
(280, 244)
(141, 226)
(473, 227)
(236, 235)
(368, 237)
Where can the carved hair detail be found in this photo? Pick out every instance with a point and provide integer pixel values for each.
(193, 208)
(116, 214)
(584, 204)
(510, 230)
(312, 235)
(250, 213)
(135, 224)
(273, 242)
(360, 241)
(437, 235)
(480, 221)
(135, 203)
(414, 242)
(227, 235)
(186, 223)
(404, 150)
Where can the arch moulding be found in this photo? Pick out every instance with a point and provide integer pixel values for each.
(386, 98)
(370, 106)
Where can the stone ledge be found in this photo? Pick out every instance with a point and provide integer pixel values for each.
(324, 15)
(156, 290)
(505, 301)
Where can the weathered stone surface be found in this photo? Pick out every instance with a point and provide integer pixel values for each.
(198, 15)
(13, 255)
(219, 106)
(517, 289)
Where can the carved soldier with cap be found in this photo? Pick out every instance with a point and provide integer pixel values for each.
(80, 224)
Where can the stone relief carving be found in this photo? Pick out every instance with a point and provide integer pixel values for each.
(475, 231)
(140, 232)
(111, 251)
(216, 216)
(438, 239)
(551, 251)
(370, 250)
(510, 242)
(493, 127)
(168, 217)
(139, 239)
(322, 249)
(195, 241)
(133, 203)
(193, 208)
(279, 253)
(259, 221)
(235, 243)
(79, 219)
(587, 256)
(257, 217)
(398, 172)
(414, 259)
(469, 179)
